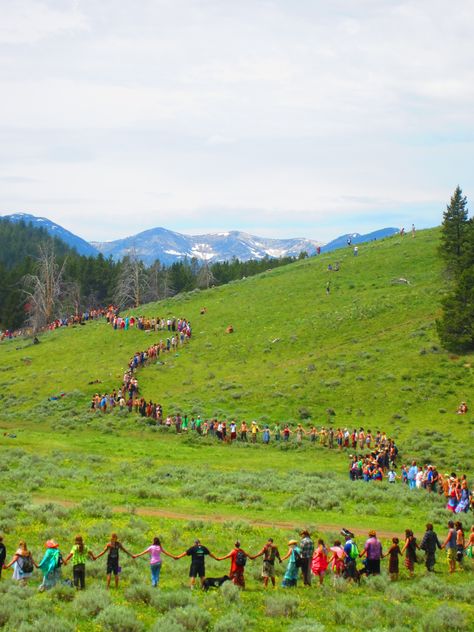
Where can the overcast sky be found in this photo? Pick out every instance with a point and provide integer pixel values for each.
(307, 118)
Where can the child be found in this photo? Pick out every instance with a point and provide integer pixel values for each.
(393, 554)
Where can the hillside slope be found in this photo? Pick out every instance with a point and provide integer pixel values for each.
(367, 350)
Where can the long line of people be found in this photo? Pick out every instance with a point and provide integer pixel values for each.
(305, 558)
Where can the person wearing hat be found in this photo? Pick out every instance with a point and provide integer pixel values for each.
(307, 550)
(254, 430)
(373, 552)
(197, 552)
(50, 565)
(291, 573)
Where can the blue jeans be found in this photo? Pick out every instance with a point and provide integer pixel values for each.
(412, 483)
(155, 573)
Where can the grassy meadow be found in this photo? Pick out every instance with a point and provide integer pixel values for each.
(366, 354)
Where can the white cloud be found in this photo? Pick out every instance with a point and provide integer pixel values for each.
(304, 116)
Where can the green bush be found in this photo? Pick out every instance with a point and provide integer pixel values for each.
(307, 626)
(119, 619)
(192, 618)
(281, 606)
(51, 624)
(139, 593)
(444, 618)
(90, 604)
(230, 593)
(63, 592)
(169, 600)
(232, 622)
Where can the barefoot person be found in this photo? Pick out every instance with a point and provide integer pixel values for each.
(112, 549)
(197, 553)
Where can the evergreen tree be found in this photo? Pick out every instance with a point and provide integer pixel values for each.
(454, 233)
(456, 327)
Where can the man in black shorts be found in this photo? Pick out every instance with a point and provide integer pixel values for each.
(197, 552)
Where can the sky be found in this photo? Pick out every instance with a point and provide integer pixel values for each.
(282, 118)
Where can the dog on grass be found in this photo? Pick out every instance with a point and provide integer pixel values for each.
(214, 582)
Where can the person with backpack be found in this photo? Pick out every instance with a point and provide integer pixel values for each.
(79, 554)
(270, 552)
(23, 564)
(238, 560)
(351, 553)
(307, 550)
(429, 544)
(50, 565)
(294, 558)
(112, 549)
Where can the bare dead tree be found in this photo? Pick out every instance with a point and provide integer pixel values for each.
(44, 289)
(205, 278)
(132, 283)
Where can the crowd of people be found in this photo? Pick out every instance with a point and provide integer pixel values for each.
(79, 318)
(127, 396)
(306, 559)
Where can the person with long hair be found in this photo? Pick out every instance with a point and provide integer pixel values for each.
(409, 548)
(79, 554)
(155, 550)
(112, 549)
(319, 562)
(23, 564)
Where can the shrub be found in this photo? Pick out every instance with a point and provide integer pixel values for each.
(444, 618)
(191, 618)
(281, 606)
(230, 593)
(52, 624)
(139, 593)
(96, 508)
(307, 626)
(170, 600)
(63, 592)
(90, 604)
(232, 622)
(119, 619)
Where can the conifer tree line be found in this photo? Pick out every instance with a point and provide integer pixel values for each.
(456, 325)
(42, 278)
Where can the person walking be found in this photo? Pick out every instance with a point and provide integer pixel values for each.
(270, 553)
(79, 554)
(112, 549)
(393, 554)
(429, 544)
(238, 560)
(197, 553)
(155, 550)
(307, 550)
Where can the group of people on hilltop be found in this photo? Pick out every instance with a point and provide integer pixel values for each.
(306, 559)
(144, 323)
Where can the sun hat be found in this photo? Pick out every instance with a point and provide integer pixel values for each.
(51, 544)
(291, 542)
(372, 533)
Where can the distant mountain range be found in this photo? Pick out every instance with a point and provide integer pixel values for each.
(169, 246)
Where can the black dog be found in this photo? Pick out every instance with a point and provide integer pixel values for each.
(214, 582)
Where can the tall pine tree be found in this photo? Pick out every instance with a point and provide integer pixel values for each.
(454, 233)
(456, 326)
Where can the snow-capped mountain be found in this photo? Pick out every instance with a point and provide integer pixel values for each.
(168, 246)
(80, 245)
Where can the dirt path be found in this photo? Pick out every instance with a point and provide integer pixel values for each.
(216, 518)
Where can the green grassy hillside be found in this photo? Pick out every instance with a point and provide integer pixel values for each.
(368, 350)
